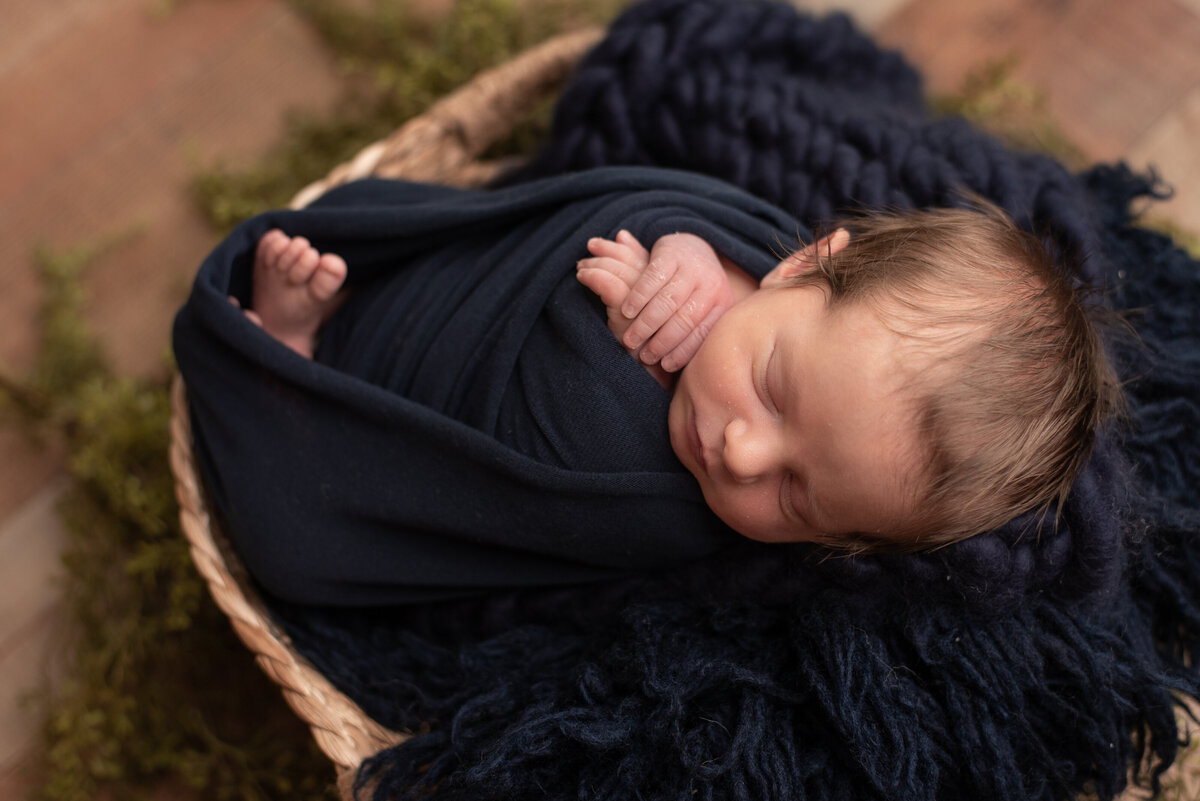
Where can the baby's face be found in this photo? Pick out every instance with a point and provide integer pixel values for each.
(790, 418)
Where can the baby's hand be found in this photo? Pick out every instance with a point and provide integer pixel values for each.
(661, 304)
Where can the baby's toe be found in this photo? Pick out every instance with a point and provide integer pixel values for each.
(300, 269)
(291, 253)
(328, 278)
(271, 246)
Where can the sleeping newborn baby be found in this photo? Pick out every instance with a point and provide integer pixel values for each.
(908, 381)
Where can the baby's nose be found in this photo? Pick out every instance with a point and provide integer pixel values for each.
(749, 453)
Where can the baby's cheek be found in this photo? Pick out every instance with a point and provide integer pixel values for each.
(749, 512)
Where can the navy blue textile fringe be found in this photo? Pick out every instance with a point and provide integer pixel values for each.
(1010, 666)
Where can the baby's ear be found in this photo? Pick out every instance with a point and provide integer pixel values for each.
(805, 259)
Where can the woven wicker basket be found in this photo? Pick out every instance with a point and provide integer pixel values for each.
(442, 145)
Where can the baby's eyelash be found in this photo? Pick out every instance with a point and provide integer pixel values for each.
(786, 499)
(764, 384)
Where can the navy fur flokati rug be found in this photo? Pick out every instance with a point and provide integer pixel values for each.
(1005, 667)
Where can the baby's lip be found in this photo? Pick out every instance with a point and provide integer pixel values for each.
(695, 443)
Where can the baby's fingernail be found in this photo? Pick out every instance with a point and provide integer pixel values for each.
(648, 357)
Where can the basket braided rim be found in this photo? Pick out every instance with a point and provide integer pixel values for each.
(441, 145)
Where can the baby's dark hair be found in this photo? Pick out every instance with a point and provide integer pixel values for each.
(1015, 383)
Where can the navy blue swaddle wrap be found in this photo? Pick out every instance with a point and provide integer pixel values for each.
(1004, 667)
(468, 422)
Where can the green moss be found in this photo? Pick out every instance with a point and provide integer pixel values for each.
(395, 66)
(156, 691)
(995, 100)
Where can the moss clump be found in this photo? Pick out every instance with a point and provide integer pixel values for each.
(69, 357)
(395, 65)
(156, 691)
(995, 100)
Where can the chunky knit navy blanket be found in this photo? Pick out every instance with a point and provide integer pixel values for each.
(1004, 667)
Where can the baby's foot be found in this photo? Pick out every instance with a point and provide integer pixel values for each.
(295, 289)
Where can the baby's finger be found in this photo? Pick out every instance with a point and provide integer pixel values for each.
(625, 249)
(651, 284)
(661, 309)
(673, 331)
(630, 241)
(608, 287)
(683, 353)
(627, 274)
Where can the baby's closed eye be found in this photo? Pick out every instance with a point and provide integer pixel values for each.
(762, 382)
(794, 499)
